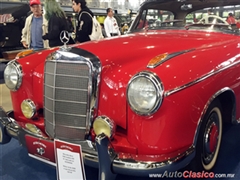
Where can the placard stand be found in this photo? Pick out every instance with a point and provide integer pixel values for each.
(69, 161)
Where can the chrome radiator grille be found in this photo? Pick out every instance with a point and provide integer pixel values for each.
(66, 86)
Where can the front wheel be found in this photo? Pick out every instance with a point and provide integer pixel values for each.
(209, 139)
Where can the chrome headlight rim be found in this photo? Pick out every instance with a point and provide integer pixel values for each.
(155, 80)
(18, 68)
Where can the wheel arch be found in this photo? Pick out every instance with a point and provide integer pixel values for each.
(227, 99)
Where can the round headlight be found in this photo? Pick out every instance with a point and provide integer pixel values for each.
(104, 125)
(28, 108)
(13, 75)
(145, 93)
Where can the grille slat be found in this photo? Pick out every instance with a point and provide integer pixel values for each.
(66, 99)
(71, 95)
(71, 82)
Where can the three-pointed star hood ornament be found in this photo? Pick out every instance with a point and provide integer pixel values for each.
(65, 37)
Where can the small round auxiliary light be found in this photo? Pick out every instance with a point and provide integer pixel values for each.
(104, 125)
(32, 128)
(28, 108)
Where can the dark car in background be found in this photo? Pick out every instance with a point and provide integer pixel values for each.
(13, 16)
(12, 19)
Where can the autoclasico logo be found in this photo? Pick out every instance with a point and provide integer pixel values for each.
(191, 174)
(203, 174)
(184, 174)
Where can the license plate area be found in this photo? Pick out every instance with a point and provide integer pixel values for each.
(41, 149)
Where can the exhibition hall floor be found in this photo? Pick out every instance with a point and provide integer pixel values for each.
(15, 164)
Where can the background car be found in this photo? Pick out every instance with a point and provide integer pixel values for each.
(154, 100)
(12, 20)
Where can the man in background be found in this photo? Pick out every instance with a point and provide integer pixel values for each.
(110, 24)
(35, 27)
(84, 26)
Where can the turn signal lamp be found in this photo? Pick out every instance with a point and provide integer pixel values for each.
(156, 60)
(24, 53)
(28, 108)
(104, 125)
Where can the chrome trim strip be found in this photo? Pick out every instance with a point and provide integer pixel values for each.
(209, 74)
(76, 102)
(149, 165)
(68, 114)
(43, 160)
(64, 88)
(54, 117)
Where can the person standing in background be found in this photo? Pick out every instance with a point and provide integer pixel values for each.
(231, 19)
(111, 25)
(35, 27)
(85, 22)
(57, 22)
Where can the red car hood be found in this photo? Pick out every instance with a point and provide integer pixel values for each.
(132, 53)
(123, 57)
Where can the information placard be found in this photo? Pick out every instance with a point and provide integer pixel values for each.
(69, 161)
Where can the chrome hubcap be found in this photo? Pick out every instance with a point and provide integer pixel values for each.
(211, 138)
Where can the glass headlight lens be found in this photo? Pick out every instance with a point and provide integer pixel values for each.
(28, 108)
(13, 75)
(145, 93)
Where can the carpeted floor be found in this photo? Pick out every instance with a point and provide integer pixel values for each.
(15, 164)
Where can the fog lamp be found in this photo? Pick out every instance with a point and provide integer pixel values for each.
(103, 124)
(28, 108)
(32, 128)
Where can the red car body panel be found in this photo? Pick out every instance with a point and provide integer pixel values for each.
(141, 133)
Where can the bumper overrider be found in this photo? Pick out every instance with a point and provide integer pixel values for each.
(99, 155)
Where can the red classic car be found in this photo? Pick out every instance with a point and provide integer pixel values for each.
(152, 100)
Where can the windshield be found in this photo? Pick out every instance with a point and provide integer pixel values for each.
(155, 19)
(218, 18)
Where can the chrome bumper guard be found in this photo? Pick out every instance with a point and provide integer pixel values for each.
(10, 127)
(110, 164)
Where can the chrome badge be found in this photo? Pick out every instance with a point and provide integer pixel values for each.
(40, 151)
(65, 37)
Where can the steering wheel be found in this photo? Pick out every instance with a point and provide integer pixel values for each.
(213, 19)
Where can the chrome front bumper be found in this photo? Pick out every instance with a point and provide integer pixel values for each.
(110, 164)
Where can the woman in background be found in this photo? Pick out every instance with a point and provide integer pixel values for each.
(57, 22)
